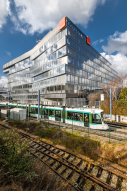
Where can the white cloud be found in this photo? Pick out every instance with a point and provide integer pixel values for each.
(3, 81)
(4, 11)
(97, 41)
(40, 15)
(8, 53)
(116, 51)
(118, 61)
(117, 43)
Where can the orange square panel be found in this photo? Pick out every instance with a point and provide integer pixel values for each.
(88, 41)
(62, 23)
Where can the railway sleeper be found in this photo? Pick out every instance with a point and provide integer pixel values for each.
(33, 151)
(43, 149)
(91, 168)
(52, 163)
(80, 162)
(119, 183)
(47, 152)
(73, 159)
(38, 147)
(86, 167)
(104, 175)
(70, 175)
(49, 159)
(114, 180)
(82, 183)
(48, 146)
(59, 166)
(45, 158)
(78, 180)
(67, 173)
(109, 178)
(68, 157)
(94, 171)
(63, 154)
(57, 152)
(54, 149)
(64, 171)
(33, 144)
(99, 172)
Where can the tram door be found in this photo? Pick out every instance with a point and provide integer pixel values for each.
(57, 115)
(86, 119)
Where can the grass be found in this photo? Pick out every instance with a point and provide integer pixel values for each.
(16, 161)
(92, 148)
(73, 142)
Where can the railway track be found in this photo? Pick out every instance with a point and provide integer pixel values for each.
(117, 125)
(77, 172)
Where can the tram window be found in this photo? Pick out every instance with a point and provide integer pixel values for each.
(36, 110)
(86, 117)
(58, 114)
(45, 111)
(52, 113)
(78, 117)
(70, 115)
(96, 119)
(32, 110)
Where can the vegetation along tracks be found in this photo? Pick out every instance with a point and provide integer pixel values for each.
(74, 170)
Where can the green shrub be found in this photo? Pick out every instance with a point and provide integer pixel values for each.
(45, 132)
(2, 118)
(16, 161)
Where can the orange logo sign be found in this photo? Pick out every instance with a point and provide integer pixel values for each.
(88, 41)
(62, 23)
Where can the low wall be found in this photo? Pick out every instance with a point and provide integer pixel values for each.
(118, 118)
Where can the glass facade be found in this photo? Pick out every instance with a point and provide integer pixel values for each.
(64, 68)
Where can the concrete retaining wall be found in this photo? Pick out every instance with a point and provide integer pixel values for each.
(118, 118)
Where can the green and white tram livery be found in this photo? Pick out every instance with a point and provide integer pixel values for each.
(88, 117)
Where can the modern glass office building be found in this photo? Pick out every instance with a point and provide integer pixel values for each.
(63, 66)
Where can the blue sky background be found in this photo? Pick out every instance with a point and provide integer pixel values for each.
(104, 21)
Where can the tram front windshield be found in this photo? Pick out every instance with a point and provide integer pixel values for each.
(96, 119)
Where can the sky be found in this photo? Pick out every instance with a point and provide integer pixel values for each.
(23, 21)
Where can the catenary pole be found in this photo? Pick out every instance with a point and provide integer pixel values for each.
(38, 103)
(110, 110)
(110, 104)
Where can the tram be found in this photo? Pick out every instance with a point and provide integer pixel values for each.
(79, 117)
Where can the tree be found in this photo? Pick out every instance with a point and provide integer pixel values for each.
(123, 94)
(94, 96)
(116, 85)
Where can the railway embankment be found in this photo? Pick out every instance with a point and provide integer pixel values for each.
(96, 150)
